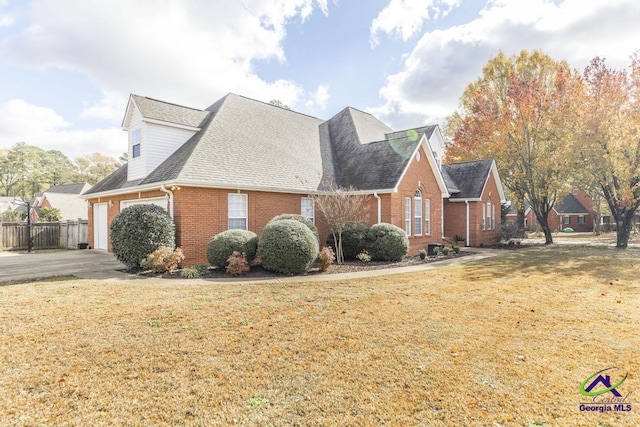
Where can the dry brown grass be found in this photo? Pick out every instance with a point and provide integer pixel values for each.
(503, 342)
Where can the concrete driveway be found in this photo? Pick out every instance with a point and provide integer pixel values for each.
(90, 264)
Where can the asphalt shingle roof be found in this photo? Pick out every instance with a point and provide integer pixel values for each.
(571, 205)
(248, 143)
(66, 188)
(466, 180)
(167, 112)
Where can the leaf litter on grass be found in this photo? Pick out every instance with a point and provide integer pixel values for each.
(477, 344)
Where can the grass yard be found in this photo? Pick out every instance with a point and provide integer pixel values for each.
(502, 342)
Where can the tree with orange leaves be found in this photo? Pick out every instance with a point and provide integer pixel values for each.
(516, 114)
(608, 139)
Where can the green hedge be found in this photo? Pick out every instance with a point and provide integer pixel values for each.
(222, 245)
(138, 231)
(354, 239)
(386, 242)
(299, 218)
(287, 246)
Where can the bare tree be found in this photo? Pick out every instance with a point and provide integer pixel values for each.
(340, 205)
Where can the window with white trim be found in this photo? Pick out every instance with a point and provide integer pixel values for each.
(407, 215)
(417, 213)
(306, 208)
(427, 216)
(488, 212)
(493, 216)
(566, 220)
(237, 211)
(581, 219)
(135, 143)
(484, 214)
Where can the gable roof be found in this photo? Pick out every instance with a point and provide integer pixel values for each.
(67, 188)
(153, 109)
(243, 143)
(570, 205)
(467, 180)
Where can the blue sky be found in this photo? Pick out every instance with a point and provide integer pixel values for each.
(67, 67)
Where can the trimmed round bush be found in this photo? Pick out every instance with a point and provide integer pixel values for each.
(299, 218)
(354, 239)
(222, 245)
(287, 246)
(386, 242)
(138, 231)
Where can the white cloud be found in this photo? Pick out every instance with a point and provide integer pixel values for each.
(110, 107)
(6, 19)
(318, 98)
(443, 62)
(189, 52)
(43, 127)
(404, 18)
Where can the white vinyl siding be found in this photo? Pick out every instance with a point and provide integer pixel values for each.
(407, 215)
(237, 211)
(307, 209)
(417, 213)
(157, 142)
(427, 216)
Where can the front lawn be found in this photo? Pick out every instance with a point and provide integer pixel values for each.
(501, 342)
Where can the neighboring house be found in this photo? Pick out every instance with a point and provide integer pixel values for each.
(575, 210)
(241, 162)
(66, 198)
(473, 209)
(572, 213)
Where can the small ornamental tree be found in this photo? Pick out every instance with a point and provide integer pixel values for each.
(287, 246)
(339, 206)
(354, 236)
(138, 231)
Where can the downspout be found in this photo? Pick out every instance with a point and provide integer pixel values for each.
(466, 202)
(170, 193)
(375, 194)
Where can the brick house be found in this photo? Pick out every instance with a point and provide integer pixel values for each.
(575, 210)
(240, 162)
(472, 211)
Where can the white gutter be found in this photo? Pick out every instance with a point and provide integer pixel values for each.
(375, 194)
(441, 217)
(466, 202)
(170, 193)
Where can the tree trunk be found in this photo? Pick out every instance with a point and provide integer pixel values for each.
(544, 224)
(520, 228)
(623, 228)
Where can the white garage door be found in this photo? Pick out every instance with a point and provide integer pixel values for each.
(160, 201)
(100, 226)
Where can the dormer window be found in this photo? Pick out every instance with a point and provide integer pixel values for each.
(135, 142)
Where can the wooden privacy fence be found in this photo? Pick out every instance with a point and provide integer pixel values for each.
(44, 235)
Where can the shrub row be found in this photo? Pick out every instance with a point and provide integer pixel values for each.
(289, 243)
(383, 242)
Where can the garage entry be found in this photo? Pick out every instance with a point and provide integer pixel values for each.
(100, 226)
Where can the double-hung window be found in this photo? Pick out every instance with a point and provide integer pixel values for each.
(427, 216)
(407, 215)
(237, 211)
(306, 208)
(417, 213)
(135, 143)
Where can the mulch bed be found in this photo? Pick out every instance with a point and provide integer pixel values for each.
(258, 272)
